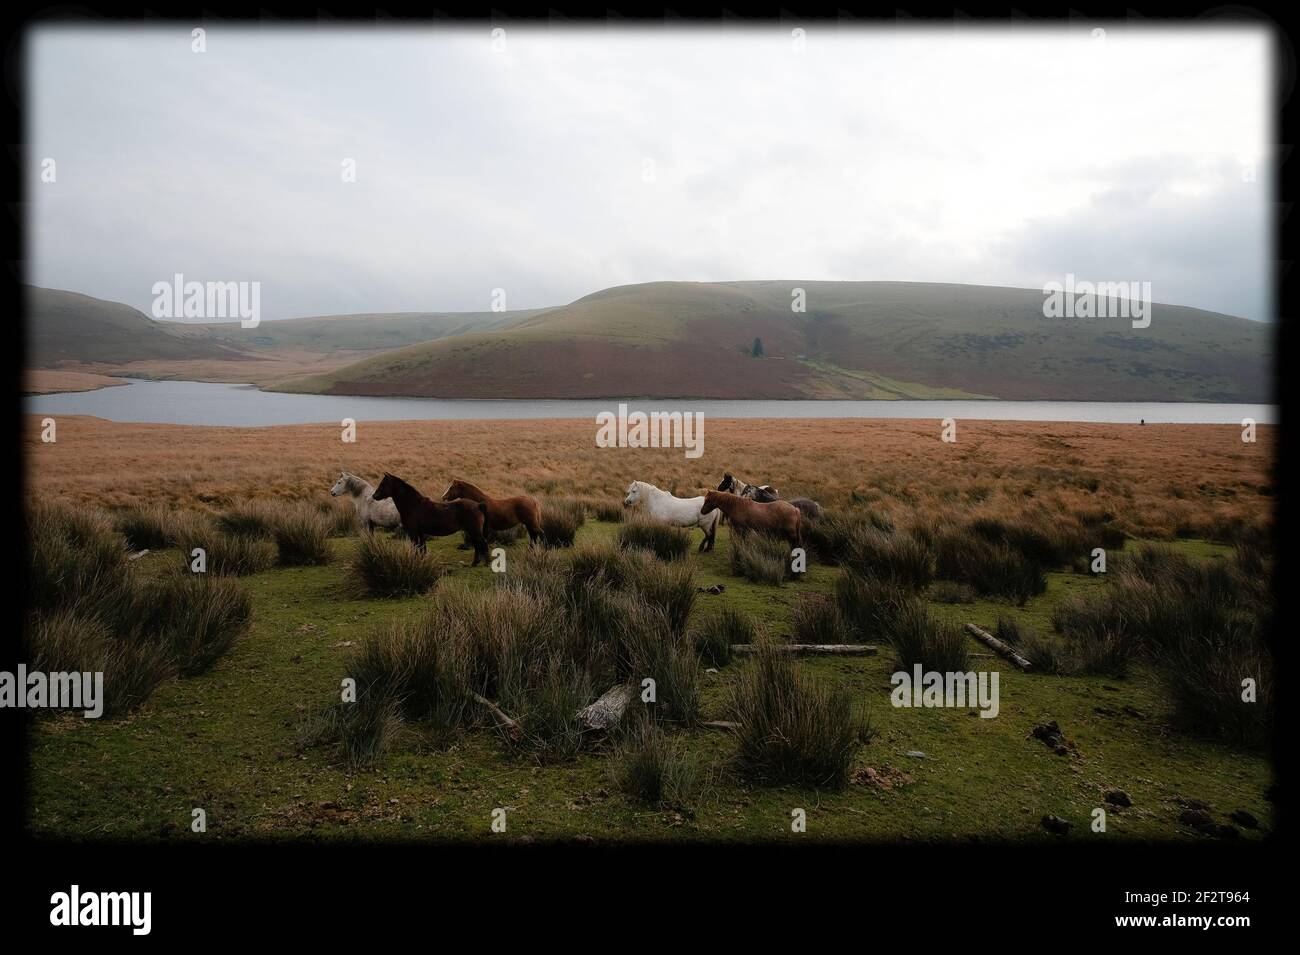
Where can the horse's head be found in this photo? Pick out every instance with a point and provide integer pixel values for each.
(454, 490)
(633, 493)
(727, 480)
(386, 487)
(340, 485)
(711, 501)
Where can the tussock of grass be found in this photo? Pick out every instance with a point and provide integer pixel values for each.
(154, 527)
(302, 538)
(648, 765)
(793, 728)
(896, 555)
(72, 552)
(605, 509)
(764, 560)
(818, 619)
(69, 640)
(1202, 624)
(253, 518)
(229, 555)
(871, 606)
(561, 518)
(92, 611)
(382, 567)
(918, 637)
(663, 540)
(993, 568)
(715, 635)
(339, 516)
(951, 592)
(197, 618)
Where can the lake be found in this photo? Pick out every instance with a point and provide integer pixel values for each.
(239, 405)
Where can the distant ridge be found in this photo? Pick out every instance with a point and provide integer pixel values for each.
(855, 340)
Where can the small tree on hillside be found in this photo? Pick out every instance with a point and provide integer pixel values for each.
(757, 350)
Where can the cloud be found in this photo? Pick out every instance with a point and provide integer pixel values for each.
(581, 158)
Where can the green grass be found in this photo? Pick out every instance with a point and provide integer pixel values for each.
(227, 740)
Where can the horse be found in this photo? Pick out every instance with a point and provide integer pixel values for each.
(678, 511)
(370, 513)
(422, 517)
(780, 518)
(503, 513)
(765, 494)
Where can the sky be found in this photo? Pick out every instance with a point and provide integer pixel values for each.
(552, 163)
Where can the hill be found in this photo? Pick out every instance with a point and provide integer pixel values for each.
(855, 340)
(67, 327)
(365, 332)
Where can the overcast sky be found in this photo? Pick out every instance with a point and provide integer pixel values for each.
(577, 159)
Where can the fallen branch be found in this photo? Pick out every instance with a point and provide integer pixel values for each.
(719, 725)
(138, 555)
(607, 710)
(810, 649)
(510, 727)
(995, 644)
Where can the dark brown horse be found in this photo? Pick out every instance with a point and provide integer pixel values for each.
(423, 518)
(779, 518)
(503, 513)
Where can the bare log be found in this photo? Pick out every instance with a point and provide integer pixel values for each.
(719, 725)
(607, 710)
(811, 649)
(510, 727)
(995, 644)
(137, 555)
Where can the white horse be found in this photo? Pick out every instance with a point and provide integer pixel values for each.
(678, 511)
(370, 513)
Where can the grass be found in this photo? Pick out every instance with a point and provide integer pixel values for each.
(794, 728)
(238, 722)
(716, 633)
(383, 567)
(764, 560)
(977, 779)
(560, 521)
(91, 610)
(663, 540)
(652, 767)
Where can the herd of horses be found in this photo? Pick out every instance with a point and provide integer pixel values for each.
(467, 509)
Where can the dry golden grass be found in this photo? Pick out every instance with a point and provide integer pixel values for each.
(48, 381)
(1157, 480)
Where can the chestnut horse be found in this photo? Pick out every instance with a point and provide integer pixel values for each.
(780, 518)
(763, 493)
(423, 518)
(503, 513)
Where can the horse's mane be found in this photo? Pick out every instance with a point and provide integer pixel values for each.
(402, 484)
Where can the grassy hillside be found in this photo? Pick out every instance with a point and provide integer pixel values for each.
(855, 340)
(70, 327)
(366, 332)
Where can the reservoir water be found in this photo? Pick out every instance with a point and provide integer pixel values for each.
(241, 405)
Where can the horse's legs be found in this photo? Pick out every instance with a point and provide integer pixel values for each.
(419, 543)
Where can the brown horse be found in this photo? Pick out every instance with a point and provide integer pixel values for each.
(780, 518)
(423, 518)
(503, 513)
